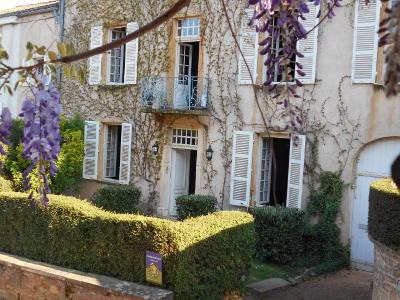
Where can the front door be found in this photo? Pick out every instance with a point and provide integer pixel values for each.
(184, 78)
(374, 164)
(179, 176)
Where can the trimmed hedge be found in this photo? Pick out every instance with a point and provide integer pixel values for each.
(119, 199)
(279, 233)
(195, 205)
(384, 212)
(202, 257)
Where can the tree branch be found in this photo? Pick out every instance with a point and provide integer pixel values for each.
(130, 37)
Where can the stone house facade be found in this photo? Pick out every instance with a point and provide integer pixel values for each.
(156, 105)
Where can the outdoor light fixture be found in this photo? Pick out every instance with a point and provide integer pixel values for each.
(209, 153)
(155, 148)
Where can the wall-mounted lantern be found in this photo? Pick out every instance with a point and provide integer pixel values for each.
(209, 153)
(155, 148)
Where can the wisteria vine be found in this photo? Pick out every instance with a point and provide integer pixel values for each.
(390, 39)
(42, 138)
(281, 22)
(5, 130)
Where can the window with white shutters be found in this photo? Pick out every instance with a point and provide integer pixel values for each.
(242, 153)
(296, 168)
(91, 149)
(96, 40)
(248, 42)
(365, 45)
(308, 46)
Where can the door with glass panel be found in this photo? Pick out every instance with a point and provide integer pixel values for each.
(183, 81)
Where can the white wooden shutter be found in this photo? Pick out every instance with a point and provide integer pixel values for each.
(131, 55)
(249, 45)
(125, 159)
(91, 149)
(96, 40)
(308, 47)
(365, 45)
(296, 168)
(242, 153)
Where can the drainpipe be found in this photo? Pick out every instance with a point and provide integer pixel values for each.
(61, 24)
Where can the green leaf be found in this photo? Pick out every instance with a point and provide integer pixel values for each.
(9, 90)
(3, 54)
(70, 49)
(41, 50)
(52, 55)
(61, 48)
(29, 56)
(29, 46)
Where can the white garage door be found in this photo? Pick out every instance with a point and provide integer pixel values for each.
(374, 163)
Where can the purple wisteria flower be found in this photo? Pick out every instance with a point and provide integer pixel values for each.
(5, 130)
(41, 135)
(281, 21)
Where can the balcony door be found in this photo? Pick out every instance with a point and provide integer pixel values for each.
(183, 82)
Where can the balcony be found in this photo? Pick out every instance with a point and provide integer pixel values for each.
(175, 95)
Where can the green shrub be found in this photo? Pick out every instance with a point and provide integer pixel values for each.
(278, 233)
(322, 240)
(202, 257)
(195, 205)
(69, 163)
(384, 212)
(119, 199)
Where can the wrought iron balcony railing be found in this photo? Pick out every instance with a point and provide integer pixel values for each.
(175, 93)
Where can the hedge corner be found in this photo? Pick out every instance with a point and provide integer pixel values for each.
(384, 212)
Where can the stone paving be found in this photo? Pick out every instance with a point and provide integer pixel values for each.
(342, 285)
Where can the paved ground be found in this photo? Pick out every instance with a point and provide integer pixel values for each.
(343, 285)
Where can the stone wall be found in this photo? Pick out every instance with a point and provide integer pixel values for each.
(23, 279)
(387, 273)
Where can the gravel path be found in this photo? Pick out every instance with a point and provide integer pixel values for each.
(343, 285)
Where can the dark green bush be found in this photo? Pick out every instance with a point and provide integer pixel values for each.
(278, 233)
(202, 257)
(119, 199)
(287, 236)
(384, 212)
(195, 205)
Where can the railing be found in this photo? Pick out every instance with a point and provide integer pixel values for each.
(175, 93)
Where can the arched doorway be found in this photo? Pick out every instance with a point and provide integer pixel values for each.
(374, 163)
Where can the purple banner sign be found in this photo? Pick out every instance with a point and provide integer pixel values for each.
(153, 267)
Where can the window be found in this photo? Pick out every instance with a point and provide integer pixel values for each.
(116, 153)
(187, 64)
(189, 27)
(273, 178)
(117, 57)
(185, 137)
(113, 151)
(277, 51)
(121, 62)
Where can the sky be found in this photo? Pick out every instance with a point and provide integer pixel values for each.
(4, 4)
